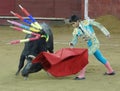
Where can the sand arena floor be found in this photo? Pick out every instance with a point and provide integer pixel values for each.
(95, 80)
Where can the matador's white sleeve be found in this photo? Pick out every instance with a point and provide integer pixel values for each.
(100, 26)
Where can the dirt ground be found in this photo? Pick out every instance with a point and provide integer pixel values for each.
(95, 80)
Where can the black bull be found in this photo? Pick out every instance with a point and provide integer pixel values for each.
(34, 48)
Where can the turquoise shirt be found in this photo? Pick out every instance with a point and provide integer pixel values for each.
(86, 32)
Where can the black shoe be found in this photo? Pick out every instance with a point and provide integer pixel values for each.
(77, 78)
(112, 73)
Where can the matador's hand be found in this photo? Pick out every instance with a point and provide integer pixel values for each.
(71, 45)
(108, 36)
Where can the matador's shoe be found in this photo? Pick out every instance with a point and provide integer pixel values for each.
(77, 78)
(112, 73)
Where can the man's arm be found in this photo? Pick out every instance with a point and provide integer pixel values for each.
(101, 27)
(74, 39)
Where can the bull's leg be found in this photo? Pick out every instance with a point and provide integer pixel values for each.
(25, 71)
(27, 67)
(31, 68)
(21, 63)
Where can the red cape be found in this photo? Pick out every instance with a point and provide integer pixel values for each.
(64, 62)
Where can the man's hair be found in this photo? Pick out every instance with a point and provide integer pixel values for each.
(74, 18)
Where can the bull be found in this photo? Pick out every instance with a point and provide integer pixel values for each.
(33, 48)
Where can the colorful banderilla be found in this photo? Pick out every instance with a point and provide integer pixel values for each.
(23, 26)
(35, 26)
(37, 36)
(34, 23)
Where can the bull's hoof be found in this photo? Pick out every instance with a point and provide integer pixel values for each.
(25, 78)
(17, 73)
(24, 74)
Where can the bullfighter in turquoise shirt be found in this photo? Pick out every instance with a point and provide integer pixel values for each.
(84, 29)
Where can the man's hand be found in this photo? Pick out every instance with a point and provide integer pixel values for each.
(108, 36)
(71, 45)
